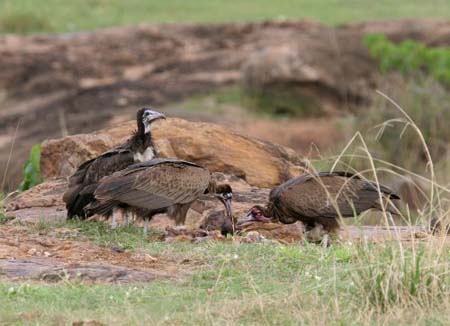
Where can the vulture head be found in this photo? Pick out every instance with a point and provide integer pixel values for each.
(225, 194)
(145, 118)
(255, 214)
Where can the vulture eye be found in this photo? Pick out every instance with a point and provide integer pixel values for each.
(146, 114)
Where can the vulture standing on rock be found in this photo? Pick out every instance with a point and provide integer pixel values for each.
(158, 186)
(83, 183)
(318, 200)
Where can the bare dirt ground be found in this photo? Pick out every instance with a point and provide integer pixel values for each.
(63, 253)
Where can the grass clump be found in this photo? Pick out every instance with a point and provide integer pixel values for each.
(3, 218)
(392, 138)
(32, 169)
(127, 237)
(389, 276)
(24, 23)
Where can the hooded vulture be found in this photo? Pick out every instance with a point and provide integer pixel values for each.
(318, 200)
(84, 181)
(158, 186)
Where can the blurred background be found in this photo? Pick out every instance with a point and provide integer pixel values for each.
(303, 74)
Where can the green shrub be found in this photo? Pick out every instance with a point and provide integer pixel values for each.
(23, 23)
(32, 169)
(3, 218)
(391, 276)
(409, 57)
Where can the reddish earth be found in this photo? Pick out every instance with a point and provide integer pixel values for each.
(64, 253)
(57, 254)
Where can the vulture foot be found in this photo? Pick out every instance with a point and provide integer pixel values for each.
(316, 233)
(129, 218)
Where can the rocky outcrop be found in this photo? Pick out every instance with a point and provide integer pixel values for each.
(51, 85)
(212, 146)
(298, 79)
(47, 194)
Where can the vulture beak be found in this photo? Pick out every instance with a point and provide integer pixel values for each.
(246, 218)
(155, 116)
(226, 201)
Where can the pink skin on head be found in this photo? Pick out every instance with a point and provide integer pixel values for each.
(254, 215)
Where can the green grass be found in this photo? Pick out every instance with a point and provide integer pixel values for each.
(249, 284)
(71, 15)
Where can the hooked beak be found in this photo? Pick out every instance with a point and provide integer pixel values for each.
(227, 203)
(156, 117)
(246, 218)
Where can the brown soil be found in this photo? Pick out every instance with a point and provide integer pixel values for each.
(64, 253)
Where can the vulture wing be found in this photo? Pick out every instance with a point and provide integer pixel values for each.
(155, 184)
(83, 182)
(318, 195)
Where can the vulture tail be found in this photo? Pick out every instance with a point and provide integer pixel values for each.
(75, 204)
(102, 208)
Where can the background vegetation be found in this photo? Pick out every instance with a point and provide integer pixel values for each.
(410, 58)
(29, 16)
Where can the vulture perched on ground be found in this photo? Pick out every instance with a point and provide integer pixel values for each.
(318, 200)
(158, 186)
(84, 181)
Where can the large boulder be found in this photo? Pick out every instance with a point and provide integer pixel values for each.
(309, 77)
(259, 163)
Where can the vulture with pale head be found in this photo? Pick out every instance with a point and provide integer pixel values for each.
(84, 182)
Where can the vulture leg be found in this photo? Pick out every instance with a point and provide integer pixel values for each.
(146, 220)
(129, 217)
(325, 240)
(116, 212)
(178, 212)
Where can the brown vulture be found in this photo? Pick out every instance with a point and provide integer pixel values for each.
(158, 186)
(84, 181)
(318, 200)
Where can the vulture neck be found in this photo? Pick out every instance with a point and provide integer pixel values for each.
(142, 145)
(270, 212)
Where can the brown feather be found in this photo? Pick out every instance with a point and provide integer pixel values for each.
(83, 182)
(323, 198)
(156, 186)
